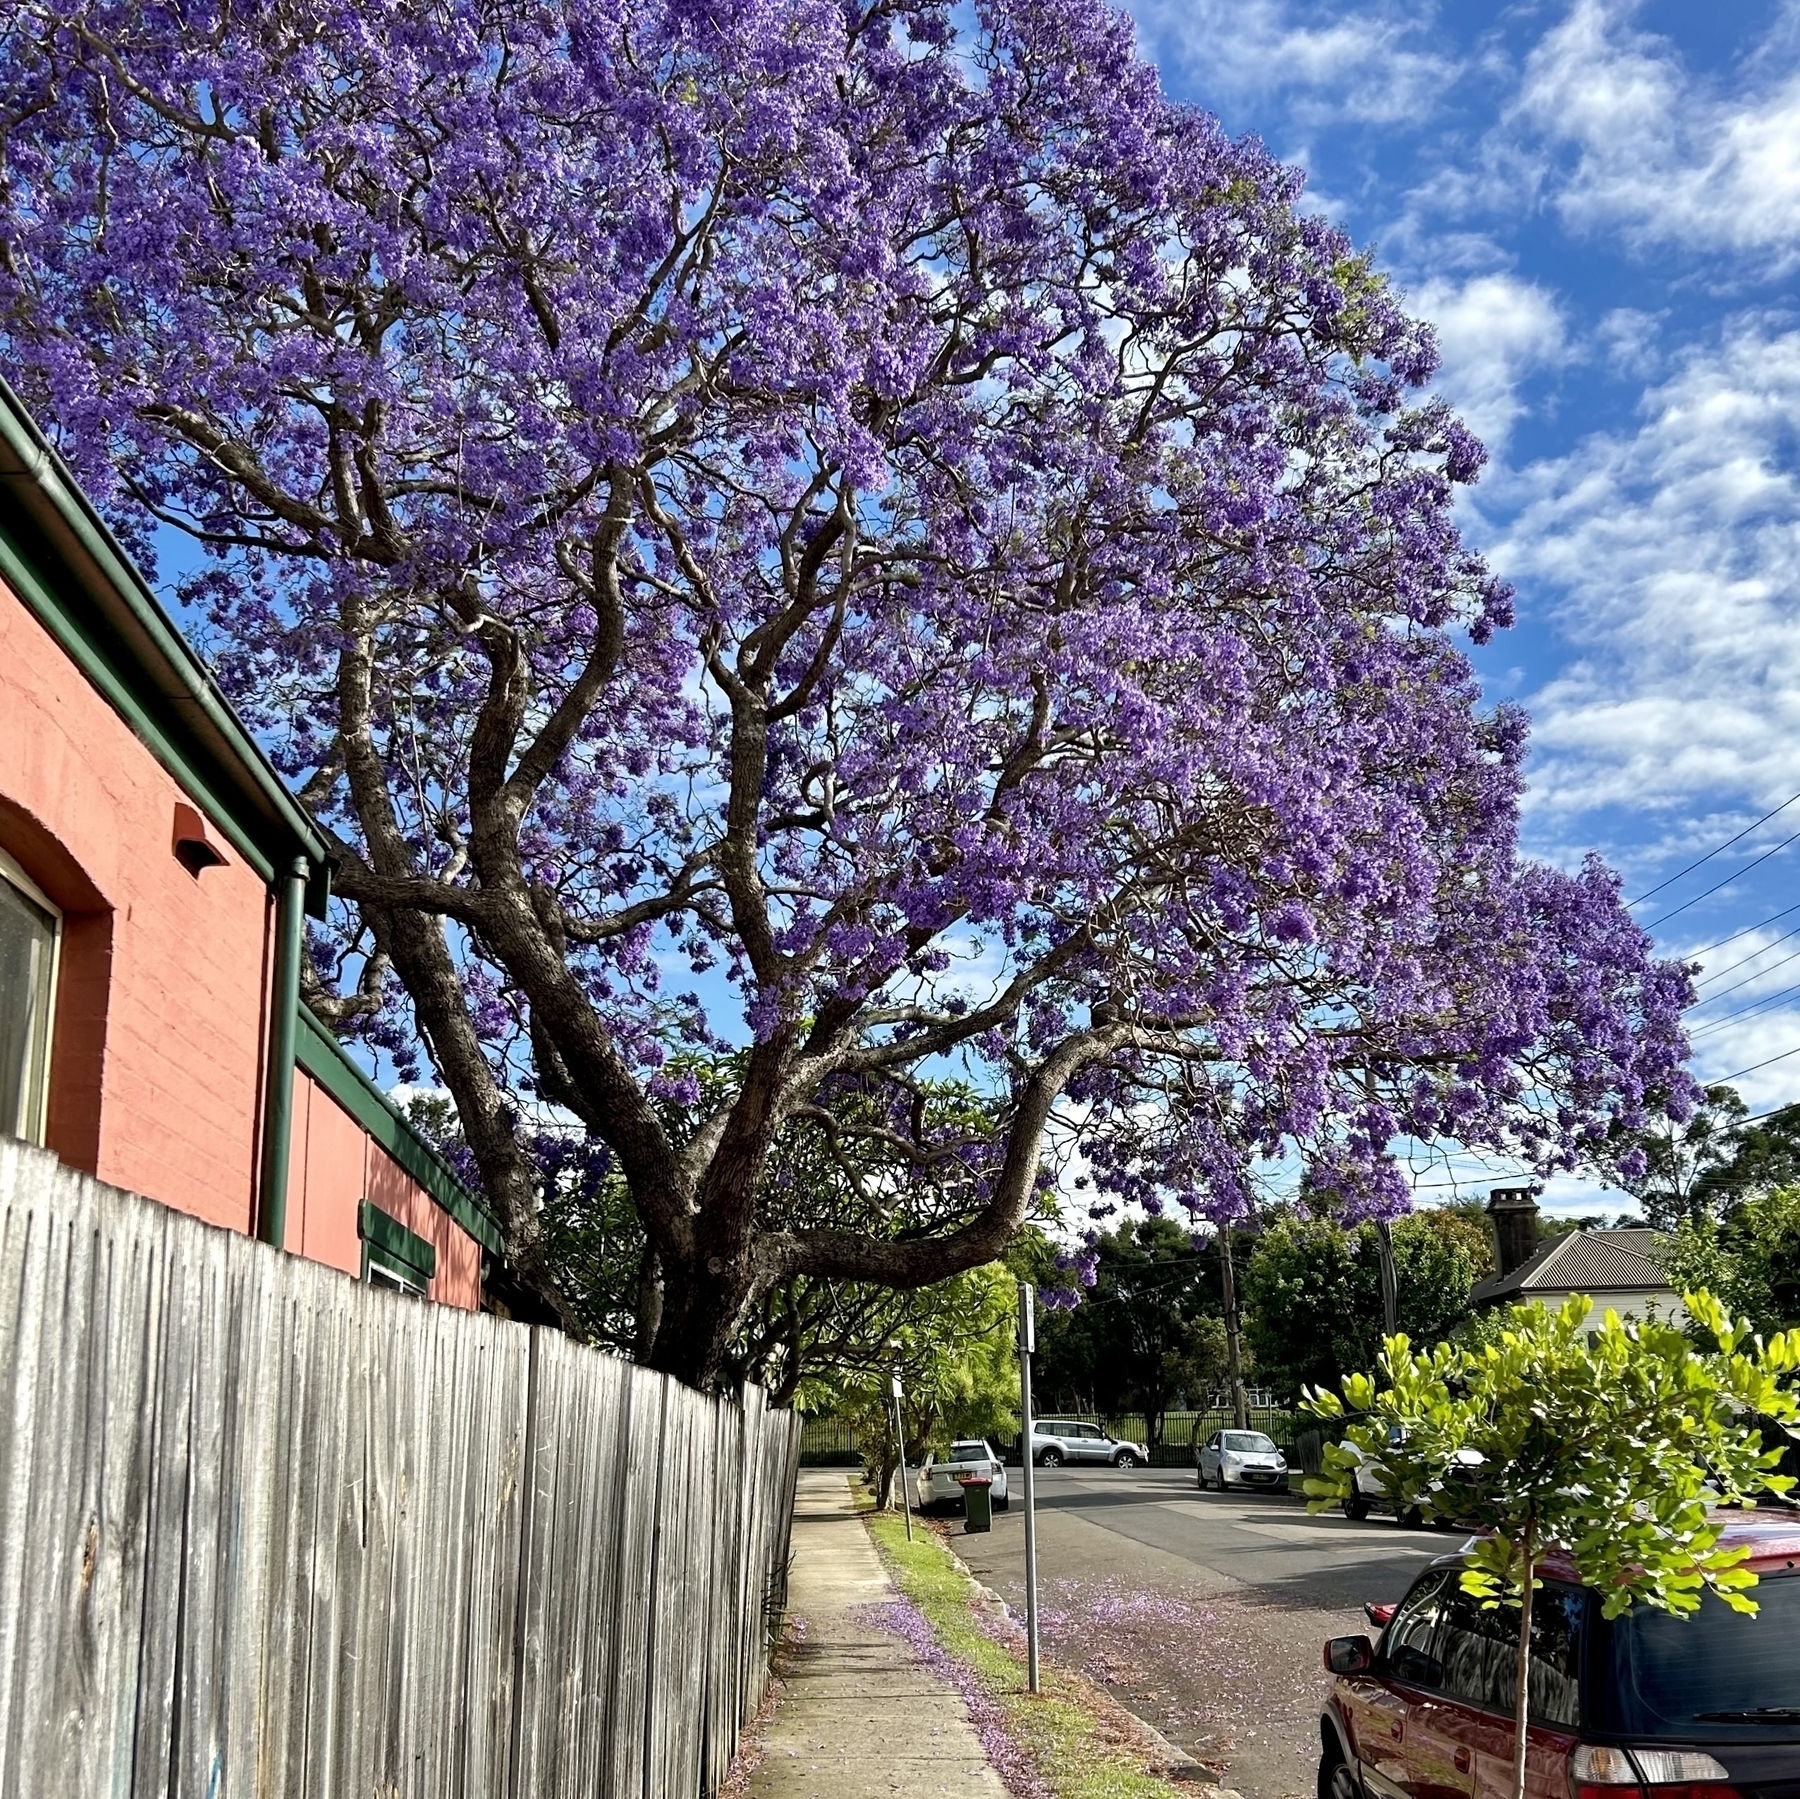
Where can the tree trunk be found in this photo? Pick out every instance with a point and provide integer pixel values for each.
(1234, 1352)
(649, 1304)
(1522, 1688)
(703, 1300)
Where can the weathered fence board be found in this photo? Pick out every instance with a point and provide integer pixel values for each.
(269, 1534)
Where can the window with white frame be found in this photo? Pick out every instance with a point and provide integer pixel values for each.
(30, 928)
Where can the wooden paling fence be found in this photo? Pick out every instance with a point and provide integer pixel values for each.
(265, 1531)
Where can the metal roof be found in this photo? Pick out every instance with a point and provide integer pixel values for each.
(1581, 1262)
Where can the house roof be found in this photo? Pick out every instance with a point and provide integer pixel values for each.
(57, 554)
(1581, 1262)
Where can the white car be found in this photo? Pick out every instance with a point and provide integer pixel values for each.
(1241, 1458)
(1058, 1440)
(937, 1484)
(1369, 1483)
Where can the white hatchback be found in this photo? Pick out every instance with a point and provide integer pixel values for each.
(938, 1485)
(1241, 1458)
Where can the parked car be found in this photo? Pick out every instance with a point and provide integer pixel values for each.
(1240, 1458)
(937, 1486)
(1643, 1706)
(1369, 1482)
(1058, 1440)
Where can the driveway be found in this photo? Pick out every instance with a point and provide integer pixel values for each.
(1204, 1613)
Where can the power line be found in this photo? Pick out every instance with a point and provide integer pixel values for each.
(1750, 979)
(1725, 1018)
(1676, 911)
(1745, 932)
(1754, 1066)
(1719, 974)
(1739, 838)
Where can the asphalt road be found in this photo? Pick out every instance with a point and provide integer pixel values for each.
(1204, 1613)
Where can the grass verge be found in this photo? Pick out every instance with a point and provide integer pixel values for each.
(1071, 1741)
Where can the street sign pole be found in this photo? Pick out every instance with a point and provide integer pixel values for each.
(900, 1450)
(1027, 1346)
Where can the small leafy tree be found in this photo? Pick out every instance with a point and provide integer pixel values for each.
(1615, 1446)
(956, 1354)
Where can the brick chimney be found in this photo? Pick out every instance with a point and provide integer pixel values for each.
(1515, 1214)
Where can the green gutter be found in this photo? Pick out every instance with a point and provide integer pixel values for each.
(389, 1242)
(320, 1054)
(278, 1075)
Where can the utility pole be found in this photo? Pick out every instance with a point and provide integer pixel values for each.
(1234, 1351)
(900, 1451)
(1027, 1347)
(1390, 1277)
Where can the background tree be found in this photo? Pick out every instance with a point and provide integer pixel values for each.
(1312, 1292)
(1674, 1167)
(957, 1355)
(1750, 1258)
(869, 509)
(1140, 1332)
(1613, 1445)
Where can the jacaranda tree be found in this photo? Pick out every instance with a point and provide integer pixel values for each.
(864, 500)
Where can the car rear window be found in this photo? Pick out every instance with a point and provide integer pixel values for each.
(1479, 1651)
(969, 1452)
(1664, 1676)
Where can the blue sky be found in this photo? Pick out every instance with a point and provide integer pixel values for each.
(1598, 205)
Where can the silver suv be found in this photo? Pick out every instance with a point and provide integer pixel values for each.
(1058, 1440)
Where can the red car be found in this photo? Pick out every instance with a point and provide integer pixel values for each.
(1646, 1706)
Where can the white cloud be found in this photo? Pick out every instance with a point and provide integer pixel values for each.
(1629, 342)
(1494, 330)
(1659, 155)
(1373, 63)
(1676, 553)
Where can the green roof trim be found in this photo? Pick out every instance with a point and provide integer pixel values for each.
(389, 1238)
(321, 1055)
(57, 554)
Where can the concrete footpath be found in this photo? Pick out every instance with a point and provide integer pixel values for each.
(862, 1715)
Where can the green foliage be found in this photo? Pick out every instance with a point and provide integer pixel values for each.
(1196, 1365)
(1750, 1258)
(1615, 1445)
(957, 1355)
(1312, 1292)
(1146, 1333)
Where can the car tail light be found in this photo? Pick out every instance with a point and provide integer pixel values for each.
(1678, 1767)
(1603, 1771)
(1599, 1771)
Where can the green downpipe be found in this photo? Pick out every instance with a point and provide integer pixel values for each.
(284, 1023)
